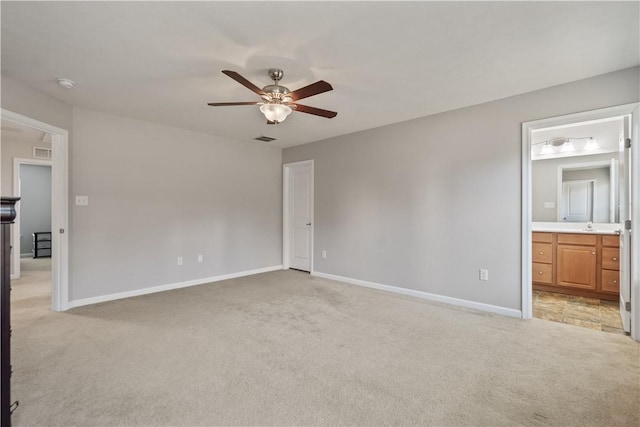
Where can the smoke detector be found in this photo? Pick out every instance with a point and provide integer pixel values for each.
(66, 83)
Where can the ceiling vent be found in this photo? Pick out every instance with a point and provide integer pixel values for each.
(265, 138)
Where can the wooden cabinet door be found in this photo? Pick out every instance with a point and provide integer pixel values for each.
(576, 266)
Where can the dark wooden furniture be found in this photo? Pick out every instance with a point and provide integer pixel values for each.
(41, 244)
(7, 214)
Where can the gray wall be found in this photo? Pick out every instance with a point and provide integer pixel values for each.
(544, 184)
(425, 203)
(156, 193)
(35, 203)
(9, 149)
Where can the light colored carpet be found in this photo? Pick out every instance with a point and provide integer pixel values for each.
(284, 348)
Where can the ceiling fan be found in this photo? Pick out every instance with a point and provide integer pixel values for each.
(279, 100)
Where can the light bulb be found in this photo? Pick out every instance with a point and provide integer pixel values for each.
(592, 145)
(567, 147)
(546, 149)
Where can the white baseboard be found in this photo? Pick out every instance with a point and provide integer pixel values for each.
(424, 295)
(168, 287)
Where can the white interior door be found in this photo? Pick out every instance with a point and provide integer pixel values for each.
(624, 169)
(300, 216)
(577, 200)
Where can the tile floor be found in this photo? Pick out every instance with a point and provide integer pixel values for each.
(579, 311)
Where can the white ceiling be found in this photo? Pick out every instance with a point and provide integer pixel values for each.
(388, 62)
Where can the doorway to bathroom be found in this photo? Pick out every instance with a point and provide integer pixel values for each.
(577, 190)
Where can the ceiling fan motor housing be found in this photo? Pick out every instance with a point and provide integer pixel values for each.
(276, 74)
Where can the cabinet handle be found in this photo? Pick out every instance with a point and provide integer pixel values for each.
(615, 282)
(540, 253)
(593, 253)
(539, 272)
(615, 259)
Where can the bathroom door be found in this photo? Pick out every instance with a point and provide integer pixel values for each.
(625, 181)
(577, 200)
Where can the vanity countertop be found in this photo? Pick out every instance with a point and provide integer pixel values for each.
(575, 227)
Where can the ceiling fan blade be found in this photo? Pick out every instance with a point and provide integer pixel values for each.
(244, 82)
(315, 111)
(227, 104)
(313, 89)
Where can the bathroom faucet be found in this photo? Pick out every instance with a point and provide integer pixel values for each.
(589, 226)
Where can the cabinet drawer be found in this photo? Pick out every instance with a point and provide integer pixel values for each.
(42, 253)
(611, 281)
(611, 258)
(542, 273)
(43, 244)
(611, 241)
(577, 239)
(542, 237)
(542, 252)
(42, 236)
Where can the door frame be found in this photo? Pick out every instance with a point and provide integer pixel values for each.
(527, 128)
(59, 207)
(286, 246)
(16, 252)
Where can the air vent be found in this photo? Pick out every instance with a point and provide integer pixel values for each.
(265, 138)
(41, 153)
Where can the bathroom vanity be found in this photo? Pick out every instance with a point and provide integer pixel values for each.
(576, 261)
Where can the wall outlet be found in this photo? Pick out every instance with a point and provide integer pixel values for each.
(200, 258)
(324, 254)
(82, 200)
(179, 260)
(484, 274)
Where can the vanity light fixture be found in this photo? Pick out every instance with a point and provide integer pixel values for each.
(592, 145)
(546, 149)
(566, 145)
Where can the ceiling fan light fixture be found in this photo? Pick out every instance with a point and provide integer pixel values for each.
(275, 112)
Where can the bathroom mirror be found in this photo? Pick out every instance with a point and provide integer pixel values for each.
(575, 189)
(575, 173)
